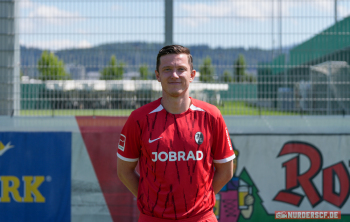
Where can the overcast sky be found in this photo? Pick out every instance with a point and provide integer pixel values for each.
(58, 24)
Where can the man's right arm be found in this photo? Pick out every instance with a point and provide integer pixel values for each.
(128, 175)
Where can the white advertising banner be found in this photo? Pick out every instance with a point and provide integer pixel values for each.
(297, 172)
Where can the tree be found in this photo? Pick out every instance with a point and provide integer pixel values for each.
(227, 76)
(239, 68)
(250, 77)
(113, 70)
(206, 71)
(144, 73)
(51, 68)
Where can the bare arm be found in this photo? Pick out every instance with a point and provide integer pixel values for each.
(223, 174)
(128, 175)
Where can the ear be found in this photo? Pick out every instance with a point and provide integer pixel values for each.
(157, 75)
(193, 74)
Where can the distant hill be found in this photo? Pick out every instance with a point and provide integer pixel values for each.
(135, 53)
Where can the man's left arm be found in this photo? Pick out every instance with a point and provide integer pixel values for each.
(223, 173)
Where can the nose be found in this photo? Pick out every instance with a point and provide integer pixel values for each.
(174, 74)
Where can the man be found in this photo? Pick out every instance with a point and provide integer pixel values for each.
(182, 146)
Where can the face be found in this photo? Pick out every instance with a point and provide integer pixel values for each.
(175, 75)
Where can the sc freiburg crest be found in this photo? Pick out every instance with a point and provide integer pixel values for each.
(199, 138)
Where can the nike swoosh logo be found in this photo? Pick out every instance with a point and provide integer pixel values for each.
(151, 141)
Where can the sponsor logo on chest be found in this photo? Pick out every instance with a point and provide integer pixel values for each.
(180, 155)
(177, 156)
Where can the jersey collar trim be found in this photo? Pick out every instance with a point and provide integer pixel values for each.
(195, 108)
(192, 107)
(158, 109)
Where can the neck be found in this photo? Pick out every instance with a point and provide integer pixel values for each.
(176, 105)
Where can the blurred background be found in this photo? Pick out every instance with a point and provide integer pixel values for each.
(253, 57)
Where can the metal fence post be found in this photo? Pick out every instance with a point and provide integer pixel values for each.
(9, 59)
(168, 22)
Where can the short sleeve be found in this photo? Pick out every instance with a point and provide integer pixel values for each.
(222, 149)
(129, 142)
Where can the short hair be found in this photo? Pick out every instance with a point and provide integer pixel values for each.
(174, 49)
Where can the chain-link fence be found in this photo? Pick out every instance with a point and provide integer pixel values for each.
(253, 57)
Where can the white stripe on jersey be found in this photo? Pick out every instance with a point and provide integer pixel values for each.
(225, 160)
(127, 159)
(195, 108)
(159, 108)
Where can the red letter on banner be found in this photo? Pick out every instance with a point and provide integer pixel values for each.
(329, 193)
(294, 179)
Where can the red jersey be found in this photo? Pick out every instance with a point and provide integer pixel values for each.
(176, 153)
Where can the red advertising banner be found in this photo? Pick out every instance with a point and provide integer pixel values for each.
(101, 137)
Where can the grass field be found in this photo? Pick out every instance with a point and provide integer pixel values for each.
(241, 108)
(229, 108)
